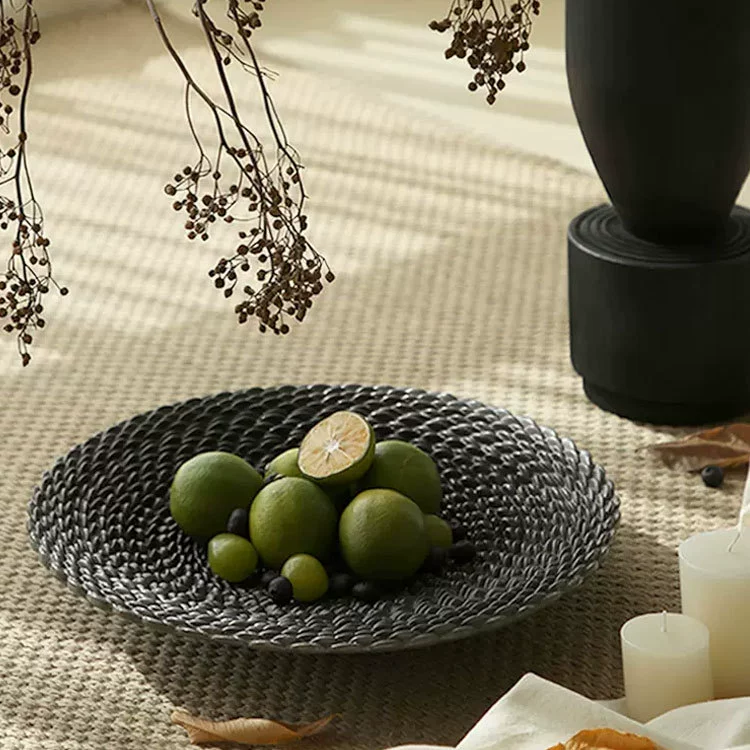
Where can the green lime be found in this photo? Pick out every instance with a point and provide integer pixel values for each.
(284, 464)
(406, 469)
(382, 535)
(207, 488)
(291, 516)
(232, 557)
(439, 532)
(308, 577)
(338, 450)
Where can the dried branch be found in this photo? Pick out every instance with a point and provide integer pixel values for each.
(492, 39)
(28, 274)
(241, 183)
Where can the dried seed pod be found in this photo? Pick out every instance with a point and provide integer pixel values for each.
(490, 35)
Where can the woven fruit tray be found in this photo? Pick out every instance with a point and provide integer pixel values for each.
(540, 514)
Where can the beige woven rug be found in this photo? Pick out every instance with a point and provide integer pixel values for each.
(451, 262)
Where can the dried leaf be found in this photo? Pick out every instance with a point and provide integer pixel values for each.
(247, 731)
(606, 739)
(727, 446)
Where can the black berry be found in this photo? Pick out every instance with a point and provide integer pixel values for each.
(435, 560)
(713, 476)
(459, 532)
(366, 591)
(462, 552)
(239, 523)
(268, 576)
(280, 590)
(340, 584)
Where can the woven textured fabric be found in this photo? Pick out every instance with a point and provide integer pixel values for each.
(539, 513)
(450, 255)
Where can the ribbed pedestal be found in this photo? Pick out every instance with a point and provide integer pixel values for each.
(660, 333)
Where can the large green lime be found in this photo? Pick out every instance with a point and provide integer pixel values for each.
(284, 464)
(406, 469)
(308, 577)
(382, 535)
(232, 557)
(338, 450)
(207, 488)
(292, 516)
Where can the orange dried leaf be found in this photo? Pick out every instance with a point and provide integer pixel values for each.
(247, 731)
(727, 446)
(606, 739)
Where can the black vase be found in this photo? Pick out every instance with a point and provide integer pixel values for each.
(661, 90)
(660, 281)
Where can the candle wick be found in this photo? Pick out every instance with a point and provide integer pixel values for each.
(736, 538)
(664, 621)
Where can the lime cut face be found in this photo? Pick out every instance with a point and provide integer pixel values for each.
(338, 450)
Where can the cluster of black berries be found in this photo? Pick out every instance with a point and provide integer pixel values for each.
(492, 39)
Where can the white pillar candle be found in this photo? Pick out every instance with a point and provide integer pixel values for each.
(666, 664)
(715, 583)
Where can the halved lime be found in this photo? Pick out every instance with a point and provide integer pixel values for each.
(338, 450)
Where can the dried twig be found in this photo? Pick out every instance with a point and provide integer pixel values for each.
(241, 183)
(28, 274)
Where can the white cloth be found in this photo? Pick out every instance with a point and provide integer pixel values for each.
(537, 714)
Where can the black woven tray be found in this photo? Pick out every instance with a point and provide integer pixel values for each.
(541, 514)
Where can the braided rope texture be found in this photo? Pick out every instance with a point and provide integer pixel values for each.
(541, 514)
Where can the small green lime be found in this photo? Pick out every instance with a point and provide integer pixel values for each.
(382, 535)
(308, 577)
(439, 532)
(338, 450)
(207, 488)
(232, 557)
(292, 516)
(284, 464)
(406, 469)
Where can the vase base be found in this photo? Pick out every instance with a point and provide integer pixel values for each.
(660, 334)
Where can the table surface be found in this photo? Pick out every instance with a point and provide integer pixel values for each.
(445, 222)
